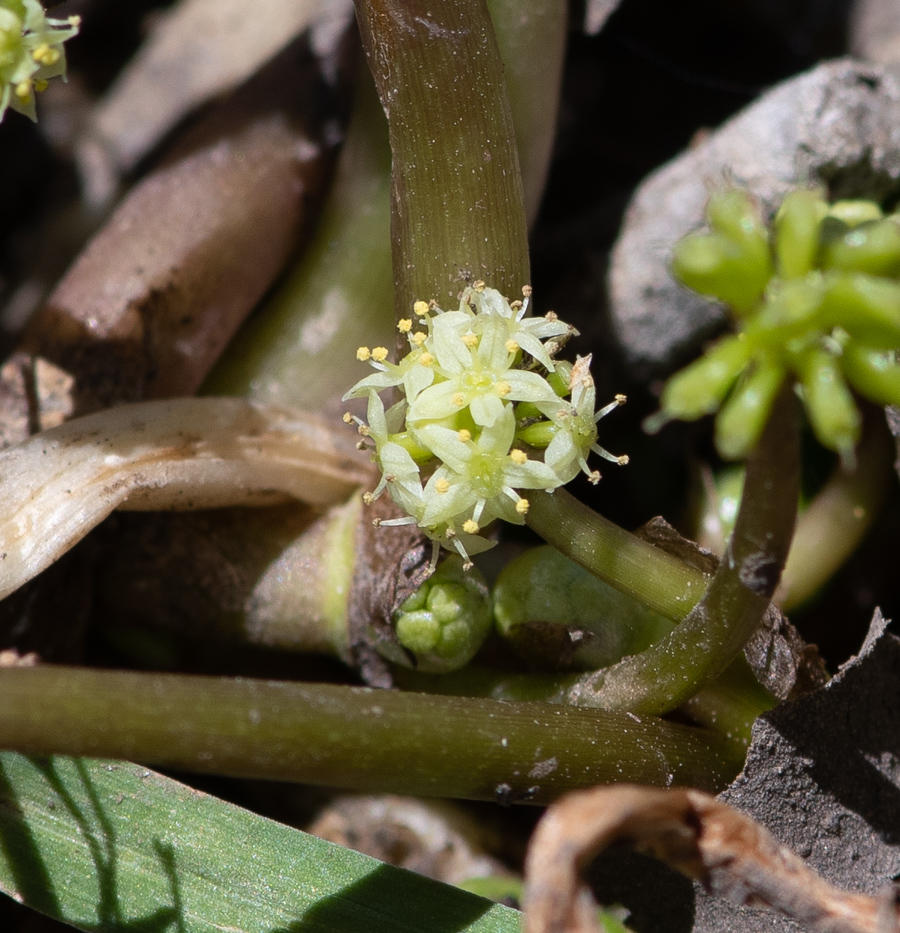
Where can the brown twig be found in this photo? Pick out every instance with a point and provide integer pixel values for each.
(730, 854)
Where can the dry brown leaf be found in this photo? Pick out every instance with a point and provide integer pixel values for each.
(196, 51)
(176, 454)
(733, 856)
(147, 308)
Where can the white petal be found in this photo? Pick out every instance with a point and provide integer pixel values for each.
(445, 444)
(529, 387)
(436, 402)
(497, 438)
(486, 408)
(530, 475)
(446, 506)
(492, 352)
(376, 381)
(452, 354)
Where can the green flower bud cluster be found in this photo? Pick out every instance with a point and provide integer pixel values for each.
(814, 297)
(486, 412)
(31, 52)
(444, 623)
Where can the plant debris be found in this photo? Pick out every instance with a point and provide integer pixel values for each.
(822, 777)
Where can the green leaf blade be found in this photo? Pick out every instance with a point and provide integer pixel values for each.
(112, 847)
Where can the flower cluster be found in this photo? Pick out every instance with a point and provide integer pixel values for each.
(815, 298)
(31, 52)
(486, 412)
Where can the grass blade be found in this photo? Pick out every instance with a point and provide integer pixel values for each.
(111, 846)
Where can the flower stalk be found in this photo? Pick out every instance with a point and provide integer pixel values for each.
(699, 649)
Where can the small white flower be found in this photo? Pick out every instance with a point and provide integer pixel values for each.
(481, 474)
(31, 52)
(526, 332)
(576, 427)
(446, 450)
(414, 372)
(479, 379)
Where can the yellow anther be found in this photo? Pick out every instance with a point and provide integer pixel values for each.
(479, 286)
(421, 308)
(503, 389)
(526, 291)
(442, 485)
(470, 527)
(363, 353)
(464, 434)
(459, 400)
(23, 91)
(426, 359)
(379, 354)
(347, 418)
(470, 340)
(404, 325)
(623, 460)
(594, 478)
(75, 21)
(518, 456)
(515, 305)
(522, 506)
(44, 55)
(551, 316)
(621, 399)
(512, 346)
(364, 431)
(368, 498)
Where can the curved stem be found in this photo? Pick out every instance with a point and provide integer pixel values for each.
(369, 740)
(837, 520)
(708, 640)
(728, 706)
(657, 579)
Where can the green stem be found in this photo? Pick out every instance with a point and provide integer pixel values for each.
(364, 739)
(729, 706)
(456, 192)
(532, 40)
(830, 530)
(708, 640)
(338, 297)
(657, 579)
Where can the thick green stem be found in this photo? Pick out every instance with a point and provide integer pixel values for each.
(337, 297)
(349, 737)
(657, 579)
(457, 208)
(729, 706)
(708, 640)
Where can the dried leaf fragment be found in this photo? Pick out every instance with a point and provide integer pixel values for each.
(177, 454)
(732, 855)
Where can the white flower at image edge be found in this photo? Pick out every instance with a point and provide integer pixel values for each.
(31, 52)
